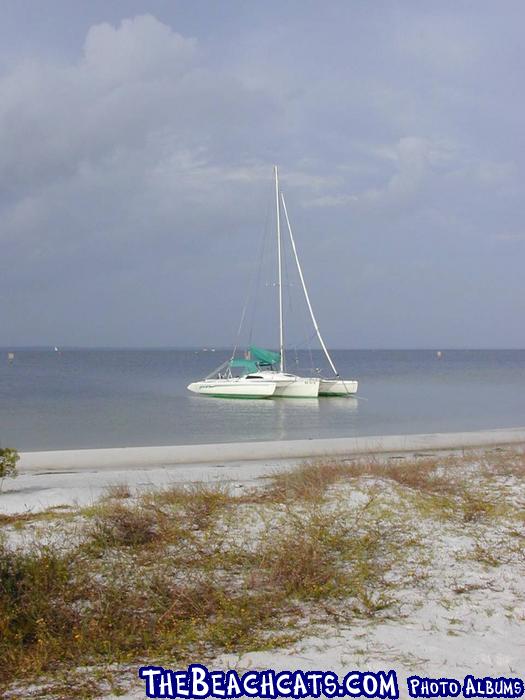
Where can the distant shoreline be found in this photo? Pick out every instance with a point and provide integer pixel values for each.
(178, 455)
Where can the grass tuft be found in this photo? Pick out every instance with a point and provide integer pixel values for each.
(302, 559)
(117, 492)
(197, 504)
(308, 482)
(118, 525)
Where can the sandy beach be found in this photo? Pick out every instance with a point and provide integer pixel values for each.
(141, 457)
(67, 477)
(444, 594)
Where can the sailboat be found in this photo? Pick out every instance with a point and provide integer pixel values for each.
(262, 373)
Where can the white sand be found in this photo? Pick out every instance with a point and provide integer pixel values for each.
(79, 477)
(441, 630)
(460, 616)
(141, 457)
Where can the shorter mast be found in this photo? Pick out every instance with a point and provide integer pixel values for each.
(280, 273)
(318, 332)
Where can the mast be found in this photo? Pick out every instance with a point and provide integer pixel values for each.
(280, 271)
(306, 296)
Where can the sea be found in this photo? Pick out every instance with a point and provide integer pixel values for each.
(81, 398)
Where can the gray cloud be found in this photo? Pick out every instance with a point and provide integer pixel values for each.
(135, 173)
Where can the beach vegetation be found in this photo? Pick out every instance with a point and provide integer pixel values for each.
(8, 459)
(118, 525)
(191, 572)
(118, 491)
(308, 481)
(196, 503)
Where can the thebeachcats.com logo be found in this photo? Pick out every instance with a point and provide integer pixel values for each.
(198, 682)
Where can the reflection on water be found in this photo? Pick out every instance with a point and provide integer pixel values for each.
(274, 419)
(346, 403)
(87, 398)
(264, 419)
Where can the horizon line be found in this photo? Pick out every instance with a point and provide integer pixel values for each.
(211, 348)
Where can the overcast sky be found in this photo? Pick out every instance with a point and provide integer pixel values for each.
(136, 149)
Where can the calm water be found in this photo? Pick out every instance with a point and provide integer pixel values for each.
(105, 398)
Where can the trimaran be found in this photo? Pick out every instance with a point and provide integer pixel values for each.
(262, 372)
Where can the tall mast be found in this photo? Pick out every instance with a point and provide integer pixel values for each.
(280, 268)
(306, 296)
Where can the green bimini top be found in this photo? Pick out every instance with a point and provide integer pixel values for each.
(246, 365)
(264, 357)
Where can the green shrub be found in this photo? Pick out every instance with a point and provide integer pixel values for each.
(8, 460)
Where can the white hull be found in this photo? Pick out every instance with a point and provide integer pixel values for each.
(266, 385)
(290, 386)
(239, 388)
(337, 387)
(299, 387)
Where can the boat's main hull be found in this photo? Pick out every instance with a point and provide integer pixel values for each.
(338, 387)
(274, 385)
(233, 388)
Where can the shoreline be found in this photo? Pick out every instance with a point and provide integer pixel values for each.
(69, 478)
(111, 458)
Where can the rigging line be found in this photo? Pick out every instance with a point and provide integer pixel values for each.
(287, 284)
(310, 354)
(262, 253)
(299, 314)
(299, 269)
(303, 342)
(295, 312)
(308, 342)
(243, 314)
(253, 285)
